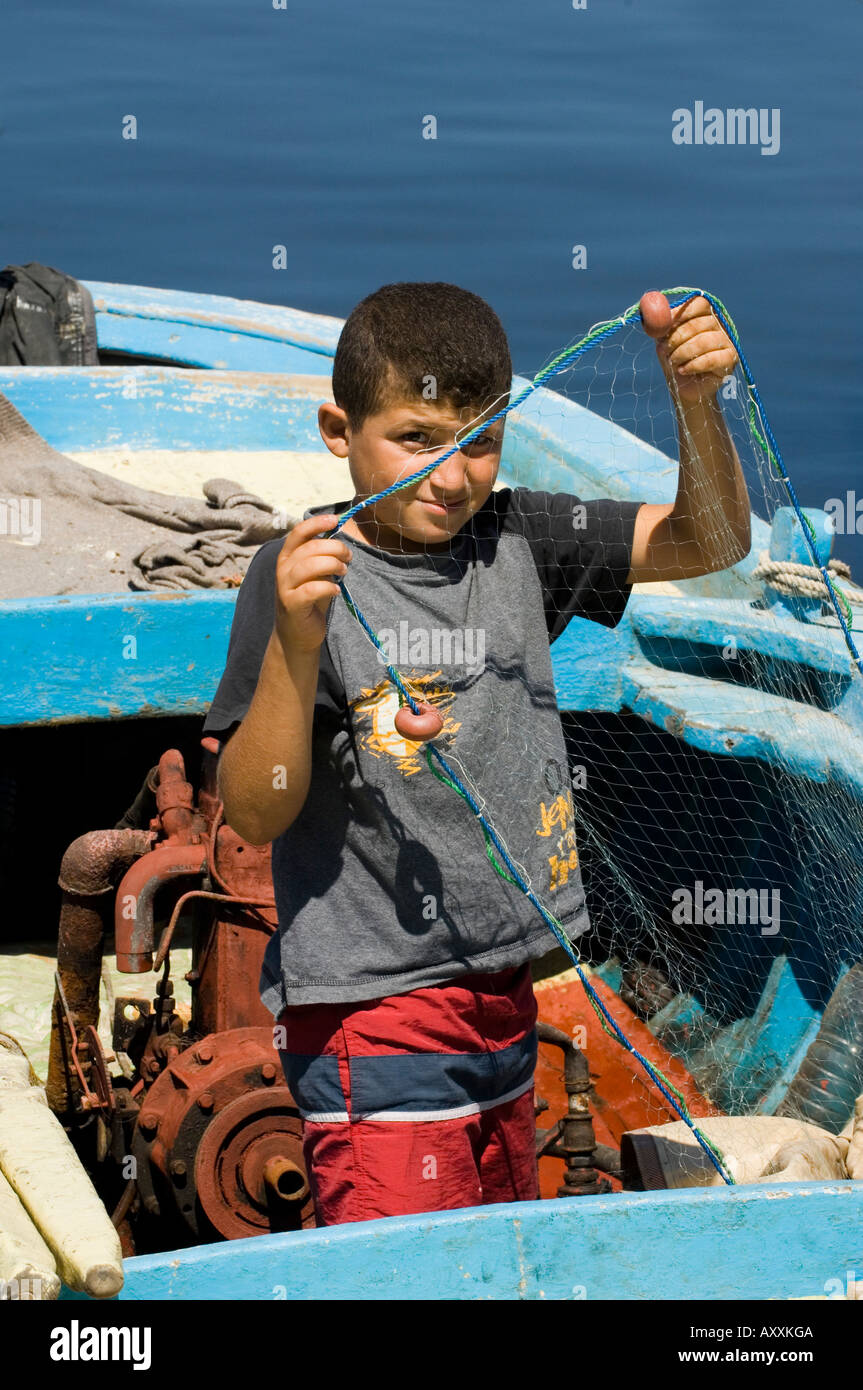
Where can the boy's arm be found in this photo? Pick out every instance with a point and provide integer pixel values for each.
(707, 527)
(265, 769)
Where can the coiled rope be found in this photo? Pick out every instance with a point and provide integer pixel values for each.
(794, 579)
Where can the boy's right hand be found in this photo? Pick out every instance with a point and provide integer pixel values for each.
(303, 590)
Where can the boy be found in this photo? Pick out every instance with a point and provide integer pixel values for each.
(400, 973)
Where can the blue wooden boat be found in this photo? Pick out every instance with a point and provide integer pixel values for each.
(215, 374)
(794, 1240)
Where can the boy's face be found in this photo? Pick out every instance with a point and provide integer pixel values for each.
(398, 441)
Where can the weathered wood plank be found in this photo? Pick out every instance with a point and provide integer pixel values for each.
(110, 656)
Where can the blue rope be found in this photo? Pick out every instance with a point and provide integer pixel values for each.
(550, 921)
(560, 364)
(557, 930)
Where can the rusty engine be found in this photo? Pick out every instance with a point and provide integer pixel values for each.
(199, 1138)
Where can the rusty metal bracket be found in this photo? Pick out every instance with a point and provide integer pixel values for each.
(102, 1088)
(125, 1029)
(89, 1056)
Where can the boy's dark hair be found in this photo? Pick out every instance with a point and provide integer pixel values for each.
(398, 338)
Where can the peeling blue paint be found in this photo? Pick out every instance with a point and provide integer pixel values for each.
(786, 1240)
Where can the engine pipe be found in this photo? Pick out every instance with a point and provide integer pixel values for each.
(88, 874)
(287, 1189)
(175, 799)
(134, 931)
(184, 855)
(573, 1138)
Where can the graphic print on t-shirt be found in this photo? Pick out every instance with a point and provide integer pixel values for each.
(556, 822)
(374, 713)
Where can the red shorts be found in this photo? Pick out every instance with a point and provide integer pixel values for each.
(417, 1102)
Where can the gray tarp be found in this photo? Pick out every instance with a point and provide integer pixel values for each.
(84, 516)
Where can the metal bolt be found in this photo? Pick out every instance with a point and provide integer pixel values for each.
(148, 1123)
(268, 1072)
(204, 1053)
(205, 1100)
(178, 1168)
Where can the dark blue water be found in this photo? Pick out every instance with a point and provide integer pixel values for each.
(303, 126)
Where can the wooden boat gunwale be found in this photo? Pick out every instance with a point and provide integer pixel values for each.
(782, 1240)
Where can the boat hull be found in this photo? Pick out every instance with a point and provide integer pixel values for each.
(791, 1240)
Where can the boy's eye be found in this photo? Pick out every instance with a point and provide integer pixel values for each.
(483, 444)
(417, 439)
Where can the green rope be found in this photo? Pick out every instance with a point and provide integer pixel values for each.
(489, 847)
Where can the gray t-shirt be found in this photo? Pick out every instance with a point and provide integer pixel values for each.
(383, 883)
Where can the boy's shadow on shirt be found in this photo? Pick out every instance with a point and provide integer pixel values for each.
(397, 858)
(413, 869)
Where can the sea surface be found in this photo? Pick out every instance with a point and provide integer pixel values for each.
(302, 126)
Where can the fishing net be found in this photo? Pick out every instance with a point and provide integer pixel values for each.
(711, 798)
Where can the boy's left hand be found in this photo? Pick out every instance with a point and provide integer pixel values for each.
(695, 352)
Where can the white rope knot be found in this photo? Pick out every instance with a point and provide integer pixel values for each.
(792, 578)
